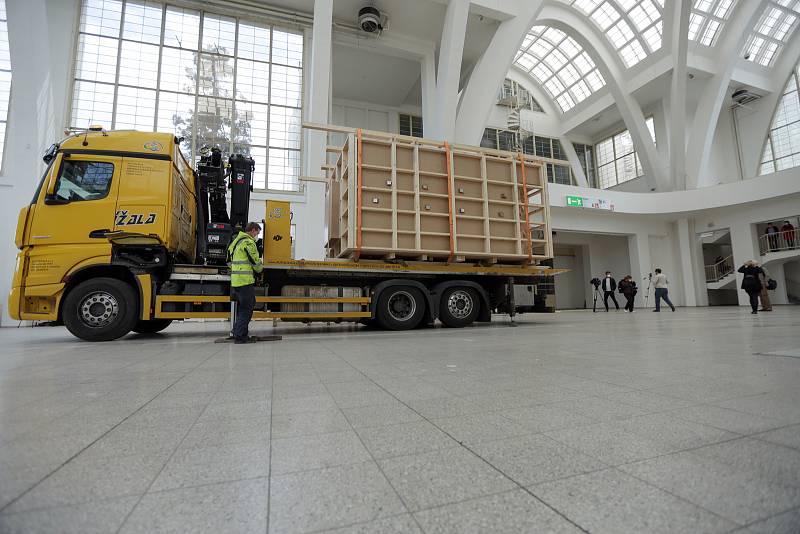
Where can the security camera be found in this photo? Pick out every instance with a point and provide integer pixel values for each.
(369, 19)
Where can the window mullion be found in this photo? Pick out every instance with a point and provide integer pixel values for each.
(119, 61)
(269, 104)
(234, 126)
(158, 71)
(198, 63)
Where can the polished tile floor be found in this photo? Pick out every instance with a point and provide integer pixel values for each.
(573, 422)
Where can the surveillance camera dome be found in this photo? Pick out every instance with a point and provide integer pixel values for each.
(369, 19)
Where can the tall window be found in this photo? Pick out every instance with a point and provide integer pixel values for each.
(5, 78)
(617, 161)
(782, 148)
(410, 125)
(213, 80)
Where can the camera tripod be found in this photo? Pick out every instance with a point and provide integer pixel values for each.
(596, 296)
(649, 279)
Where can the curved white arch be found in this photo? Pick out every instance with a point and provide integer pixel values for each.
(574, 24)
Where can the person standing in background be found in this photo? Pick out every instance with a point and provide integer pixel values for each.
(660, 283)
(772, 234)
(787, 231)
(751, 283)
(628, 288)
(609, 286)
(763, 277)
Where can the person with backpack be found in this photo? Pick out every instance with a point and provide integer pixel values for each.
(628, 288)
(751, 283)
(245, 263)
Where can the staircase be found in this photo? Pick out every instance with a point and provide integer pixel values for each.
(720, 275)
(726, 282)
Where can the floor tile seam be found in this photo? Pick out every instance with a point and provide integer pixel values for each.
(741, 434)
(18, 497)
(751, 523)
(269, 461)
(680, 498)
(376, 464)
(71, 504)
(484, 460)
(177, 446)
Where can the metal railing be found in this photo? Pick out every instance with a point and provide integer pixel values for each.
(783, 240)
(719, 270)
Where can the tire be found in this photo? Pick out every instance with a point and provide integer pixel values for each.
(100, 309)
(400, 308)
(459, 307)
(152, 326)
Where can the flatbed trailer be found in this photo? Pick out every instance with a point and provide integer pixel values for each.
(201, 292)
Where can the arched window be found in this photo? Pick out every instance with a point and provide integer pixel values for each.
(782, 148)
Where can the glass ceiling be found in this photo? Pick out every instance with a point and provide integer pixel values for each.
(707, 19)
(560, 65)
(633, 27)
(772, 31)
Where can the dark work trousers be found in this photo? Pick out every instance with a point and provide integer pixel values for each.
(607, 294)
(754, 299)
(630, 298)
(245, 297)
(663, 293)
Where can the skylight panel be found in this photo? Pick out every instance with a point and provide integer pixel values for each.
(559, 64)
(633, 27)
(707, 19)
(772, 31)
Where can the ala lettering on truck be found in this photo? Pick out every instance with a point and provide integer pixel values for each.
(123, 218)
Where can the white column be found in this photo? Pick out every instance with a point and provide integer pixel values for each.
(677, 124)
(428, 82)
(310, 232)
(704, 122)
(639, 252)
(744, 247)
(490, 71)
(686, 239)
(41, 37)
(449, 71)
(776, 272)
(575, 163)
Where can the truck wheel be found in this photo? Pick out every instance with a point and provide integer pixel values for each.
(459, 306)
(152, 326)
(101, 309)
(400, 308)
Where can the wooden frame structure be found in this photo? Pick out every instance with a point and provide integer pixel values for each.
(400, 197)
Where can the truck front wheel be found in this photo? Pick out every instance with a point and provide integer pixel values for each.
(459, 307)
(400, 308)
(100, 309)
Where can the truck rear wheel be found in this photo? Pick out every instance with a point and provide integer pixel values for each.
(100, 309)
(400, 308)
(459, 307)
(152, 326)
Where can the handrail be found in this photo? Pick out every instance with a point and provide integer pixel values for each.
(719, 270)
(782, 240)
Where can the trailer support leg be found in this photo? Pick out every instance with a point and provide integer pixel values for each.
(512, 306)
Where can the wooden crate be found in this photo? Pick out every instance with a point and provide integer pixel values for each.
(394, 196)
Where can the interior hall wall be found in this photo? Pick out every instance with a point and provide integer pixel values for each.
(570, 286)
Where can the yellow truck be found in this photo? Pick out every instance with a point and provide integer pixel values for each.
(119, 237)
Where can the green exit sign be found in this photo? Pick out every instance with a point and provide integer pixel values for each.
(576, 202)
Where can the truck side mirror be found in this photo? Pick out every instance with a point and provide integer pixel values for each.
(55, 170)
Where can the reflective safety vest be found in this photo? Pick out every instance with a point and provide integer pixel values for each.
(244, 260)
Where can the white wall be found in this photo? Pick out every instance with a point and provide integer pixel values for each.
(570, 286)
(41, 39)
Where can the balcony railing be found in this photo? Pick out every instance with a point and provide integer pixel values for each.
(719, 270)
(783, 240)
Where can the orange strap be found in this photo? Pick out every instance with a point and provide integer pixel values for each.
(527, 213)
(449, 156)
(358, 196)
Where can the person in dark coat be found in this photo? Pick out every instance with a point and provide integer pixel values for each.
(751, 283)
(628, 288)
(609, 286)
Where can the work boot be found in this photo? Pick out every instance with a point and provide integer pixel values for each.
(249, 339)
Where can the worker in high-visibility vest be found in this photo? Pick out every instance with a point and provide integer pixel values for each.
(245, 263)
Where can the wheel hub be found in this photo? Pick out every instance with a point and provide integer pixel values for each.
(99, 309)
(460, 304)
(402, 306)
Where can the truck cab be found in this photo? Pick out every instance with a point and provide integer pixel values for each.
(111, 205)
